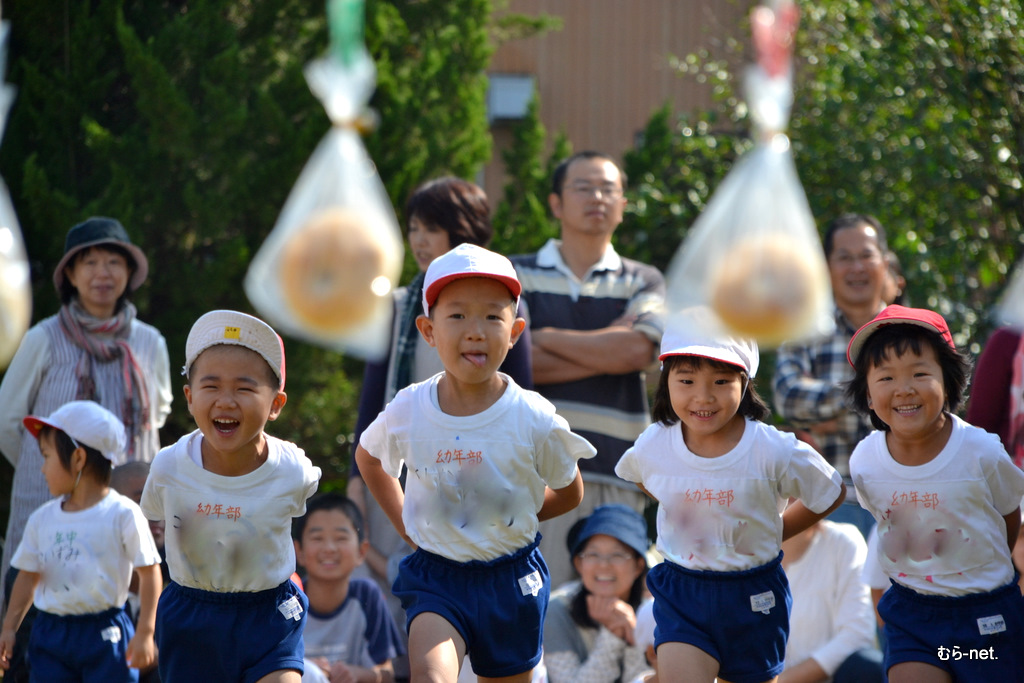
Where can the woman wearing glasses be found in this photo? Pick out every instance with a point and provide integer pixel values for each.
(589, 629)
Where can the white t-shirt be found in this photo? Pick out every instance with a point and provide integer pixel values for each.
(940, 525)
(229, 534)
(724, 514)
(85, 558)
(476, 482)
(832, 615)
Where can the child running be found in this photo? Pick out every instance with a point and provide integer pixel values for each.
(485, 460)
(946, 497)
(723, 479)
(77, 557)
(228, 492)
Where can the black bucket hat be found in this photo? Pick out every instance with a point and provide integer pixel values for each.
(97, 231)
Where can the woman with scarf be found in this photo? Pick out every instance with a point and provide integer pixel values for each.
(94, 349)
(440, 215)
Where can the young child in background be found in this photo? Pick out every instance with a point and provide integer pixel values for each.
(723, 479)
(350, 633)
(946, 497)
(228, 492)
(78, 554)
(486, 460)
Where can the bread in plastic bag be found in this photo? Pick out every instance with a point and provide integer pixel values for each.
(15, 282)
(327, 270)
(754, 255)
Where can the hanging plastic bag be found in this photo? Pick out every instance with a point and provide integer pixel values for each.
(754, 255)
(327, 270)
(15, 285)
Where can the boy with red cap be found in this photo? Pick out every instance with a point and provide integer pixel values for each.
(486, 460)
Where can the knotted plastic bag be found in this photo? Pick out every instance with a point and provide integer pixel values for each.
(754, 255)
(328, 268)
(15, 285)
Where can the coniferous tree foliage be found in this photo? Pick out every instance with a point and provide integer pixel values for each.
(190, 121)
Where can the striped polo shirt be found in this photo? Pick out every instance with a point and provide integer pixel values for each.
(610, 411)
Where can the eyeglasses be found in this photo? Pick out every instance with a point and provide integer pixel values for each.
(846, 259)
(615, 559)
(586, 190)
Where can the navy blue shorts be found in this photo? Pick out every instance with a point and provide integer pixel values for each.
(497, 606)
(977, 637)
(207, 636)
(90, 647)
(739, 618)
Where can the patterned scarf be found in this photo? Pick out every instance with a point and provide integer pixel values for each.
(1016, 436)
(408, 335)
(104, 341)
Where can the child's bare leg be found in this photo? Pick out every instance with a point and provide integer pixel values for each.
(436, 649)
(524, 677)
(918, 672)
(700, 667)
(282, 676)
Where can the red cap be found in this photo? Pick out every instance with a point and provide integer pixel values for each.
(892, 315)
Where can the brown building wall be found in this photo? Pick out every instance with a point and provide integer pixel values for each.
(602, 75)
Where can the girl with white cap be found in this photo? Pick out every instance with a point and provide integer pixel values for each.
(723, 479)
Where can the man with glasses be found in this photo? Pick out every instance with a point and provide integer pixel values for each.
(809, 377)
(595, 326)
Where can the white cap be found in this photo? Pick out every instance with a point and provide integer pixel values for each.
(468, 260)
(88, 424)
(699, 332)
(238, 329)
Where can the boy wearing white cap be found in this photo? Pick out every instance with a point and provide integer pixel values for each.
(723, 479)
(77, 555)
(486, 461)
(227, 493)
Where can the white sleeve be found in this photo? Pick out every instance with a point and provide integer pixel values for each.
(137, 538)
(558, 452)
(810, 478)
(376, 441)
(19, 388)
(628, 467)
(162, 372)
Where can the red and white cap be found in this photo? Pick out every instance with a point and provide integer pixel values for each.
(88, 424)
(238, 329)
(697, 331)
(894, 315)
(468, 260)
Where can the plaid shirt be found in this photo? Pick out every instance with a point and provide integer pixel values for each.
(809, 388)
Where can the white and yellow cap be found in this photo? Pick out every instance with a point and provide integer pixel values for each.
(238, 329)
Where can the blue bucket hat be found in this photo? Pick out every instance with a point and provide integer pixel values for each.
(622, 523)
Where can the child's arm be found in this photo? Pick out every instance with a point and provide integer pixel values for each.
(141, 652)
(798, 516)
(559, 501)
(1012, 527)
(21, 599)
(646, 492)
(385, 489)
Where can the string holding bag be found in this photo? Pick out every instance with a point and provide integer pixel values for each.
(754, 256)
(15, 281)
(327, 270)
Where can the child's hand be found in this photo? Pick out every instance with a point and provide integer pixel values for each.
(141, 652)
(614, 614)
(6, 648)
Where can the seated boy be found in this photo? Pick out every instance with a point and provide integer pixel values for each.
(350, 633)
(486, 460)
(228, 492)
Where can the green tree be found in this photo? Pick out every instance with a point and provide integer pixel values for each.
(190, 121)
(522, 220)
(908, 110)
